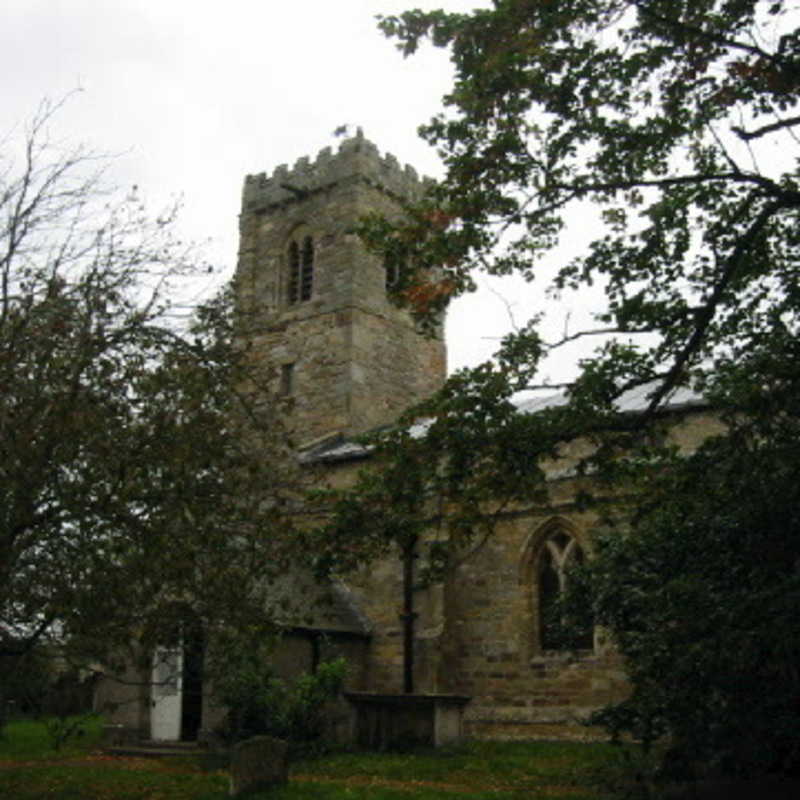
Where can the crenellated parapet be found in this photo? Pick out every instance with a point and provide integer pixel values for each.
(357, 157)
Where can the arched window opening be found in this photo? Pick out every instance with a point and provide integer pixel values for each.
(301, 270)
(561, 626)
(307, 269)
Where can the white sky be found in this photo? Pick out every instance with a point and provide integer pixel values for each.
(192, 96)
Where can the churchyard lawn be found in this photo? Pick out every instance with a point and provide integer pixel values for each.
(30, 768)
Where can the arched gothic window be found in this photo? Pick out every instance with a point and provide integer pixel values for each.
(301, 270)
(560, 628)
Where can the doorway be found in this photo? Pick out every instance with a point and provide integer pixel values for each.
(176, 708)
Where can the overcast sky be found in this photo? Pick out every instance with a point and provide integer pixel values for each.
(192, 96)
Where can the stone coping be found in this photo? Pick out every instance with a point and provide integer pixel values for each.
(425, 699)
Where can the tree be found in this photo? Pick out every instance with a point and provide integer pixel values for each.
(657, 113)
(707, 620)
(143, 472)
(677, 122)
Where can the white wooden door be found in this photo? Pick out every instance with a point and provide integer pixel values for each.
(165, 711)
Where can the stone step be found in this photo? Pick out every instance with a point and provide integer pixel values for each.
(150, 749)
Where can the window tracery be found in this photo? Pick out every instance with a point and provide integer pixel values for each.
(554, 626)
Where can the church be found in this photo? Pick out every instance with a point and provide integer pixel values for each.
(316, 310)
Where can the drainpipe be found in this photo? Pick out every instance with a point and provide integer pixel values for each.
(408, 616)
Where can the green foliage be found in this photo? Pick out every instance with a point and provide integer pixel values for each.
(24, 681)
(141, 469)
(667, 117)
(568, 621)
(64, 729)
(261, 703)
(707, 619)
(428, 483)
(658, 114)
(29, 740)
(676, 122)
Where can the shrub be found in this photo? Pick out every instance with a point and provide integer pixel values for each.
(260, 703)
(24, 682)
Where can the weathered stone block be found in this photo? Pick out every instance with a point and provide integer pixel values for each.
(258, 763)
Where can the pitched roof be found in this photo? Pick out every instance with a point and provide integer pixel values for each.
(300, 601)
(633, 401)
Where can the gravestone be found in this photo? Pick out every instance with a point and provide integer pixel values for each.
(258, 763)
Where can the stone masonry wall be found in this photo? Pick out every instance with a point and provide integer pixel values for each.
(124, 699)
(477, 634)
(492, 639)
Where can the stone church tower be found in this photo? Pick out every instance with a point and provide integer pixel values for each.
(314, 302)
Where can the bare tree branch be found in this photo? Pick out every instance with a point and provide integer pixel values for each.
(747, 136)
(705, 314)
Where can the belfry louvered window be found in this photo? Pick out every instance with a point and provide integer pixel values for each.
(301, 270)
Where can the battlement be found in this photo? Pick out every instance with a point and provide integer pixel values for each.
(356, 156)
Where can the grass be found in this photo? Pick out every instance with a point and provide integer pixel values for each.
(30, 769)
(493, 766)
(31, 740)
